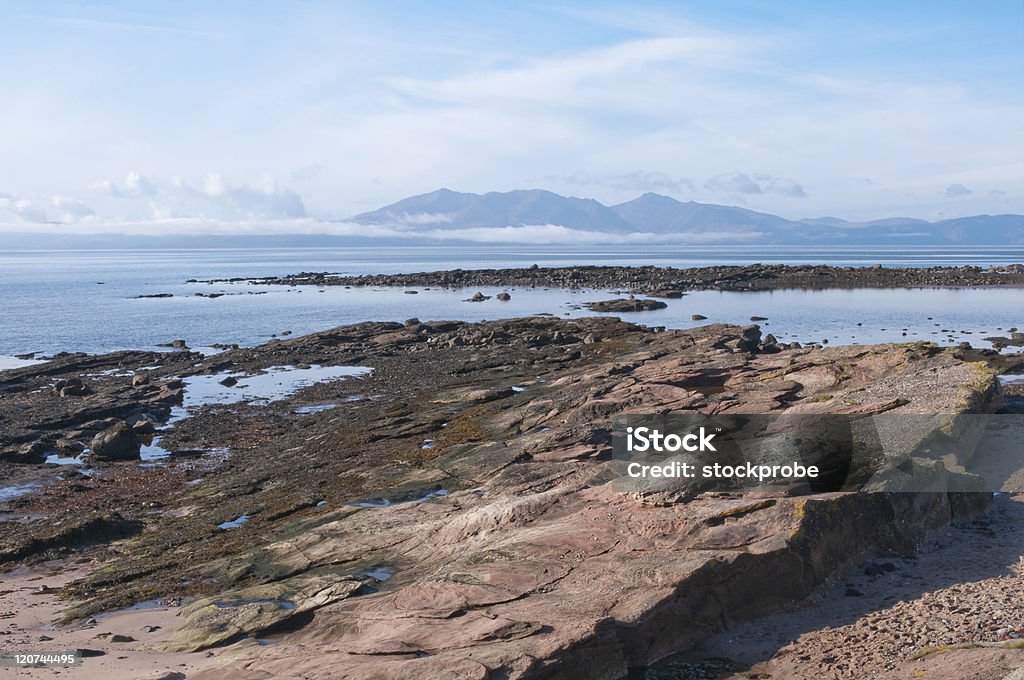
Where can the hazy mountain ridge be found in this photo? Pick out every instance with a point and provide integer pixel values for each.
(661, 215)
(540, 217)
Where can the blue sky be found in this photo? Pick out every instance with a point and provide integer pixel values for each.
(176, 114)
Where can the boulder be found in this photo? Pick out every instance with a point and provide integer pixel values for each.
(117, 442)
(72, 387)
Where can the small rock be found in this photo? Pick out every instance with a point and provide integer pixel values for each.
(72, 387)
(229, 381)
(698, 317)
(177, 344)
(89, 653)
(504, 297)
(117, 637)
(874, 570)
(165, 675)
(144, 427)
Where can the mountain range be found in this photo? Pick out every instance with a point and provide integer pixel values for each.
(663, 216)
(539, 217)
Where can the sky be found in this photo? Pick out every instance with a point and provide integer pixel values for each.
(279, 116)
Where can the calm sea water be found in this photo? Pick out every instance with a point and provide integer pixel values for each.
(86, 301)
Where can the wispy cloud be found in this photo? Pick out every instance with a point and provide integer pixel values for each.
(122, 25)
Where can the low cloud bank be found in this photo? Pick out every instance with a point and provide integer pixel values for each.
(140, 199)
(531, 234)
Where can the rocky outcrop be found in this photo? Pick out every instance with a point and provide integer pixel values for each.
(671, 282)
(466, 521)
(66, 401)
(630, 304)
(29, 454)
(68, 533)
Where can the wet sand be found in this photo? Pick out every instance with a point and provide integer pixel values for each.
(30, 611)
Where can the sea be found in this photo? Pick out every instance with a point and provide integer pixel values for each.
(88, 301)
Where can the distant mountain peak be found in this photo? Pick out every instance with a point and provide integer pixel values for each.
(454, 210)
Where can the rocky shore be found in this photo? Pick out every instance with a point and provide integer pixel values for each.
(451, 514)
(670, 281)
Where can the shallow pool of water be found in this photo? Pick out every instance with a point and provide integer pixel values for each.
(277, 382)
(235, 523)
(14, 490)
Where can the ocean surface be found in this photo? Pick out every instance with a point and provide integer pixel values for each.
(87, 301)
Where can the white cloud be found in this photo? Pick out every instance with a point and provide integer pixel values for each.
(214, 197)
(35, 210)
(956, 191)
(421, 219)
(21, 209)
(214, 186)
(734, 183)
(785, 187)
(134, 185)
(71, 210)
(635, 181)
(742, 183)
(551, 234)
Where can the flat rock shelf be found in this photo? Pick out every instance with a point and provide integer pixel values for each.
(452, 514)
